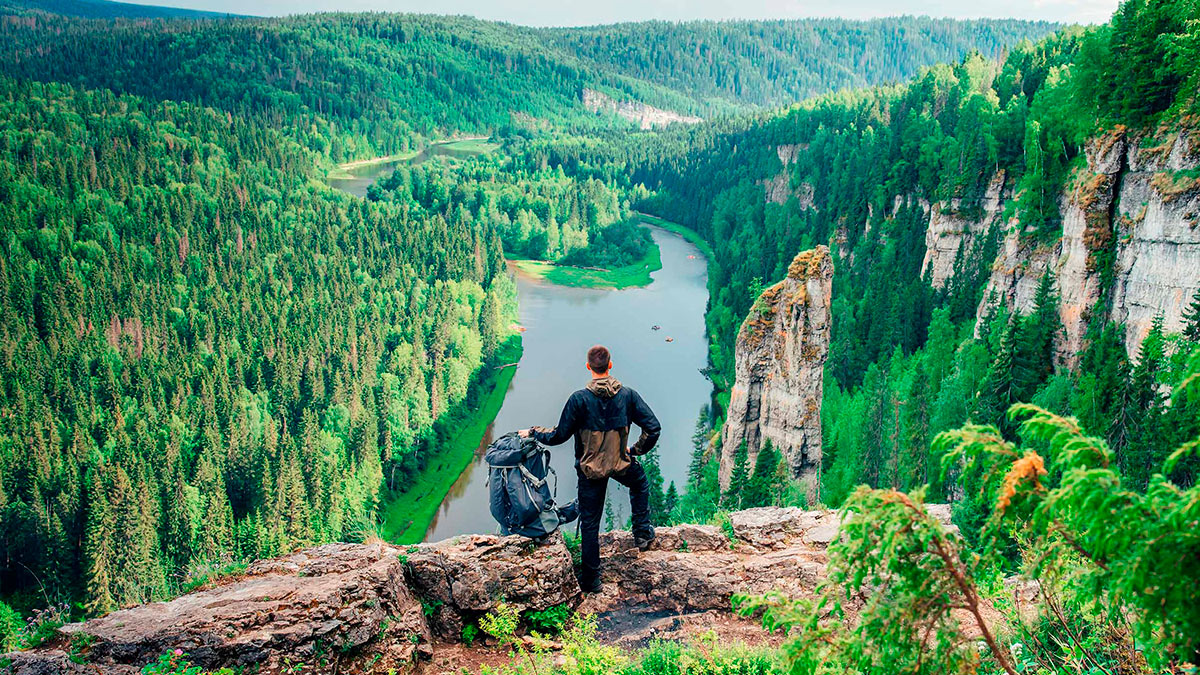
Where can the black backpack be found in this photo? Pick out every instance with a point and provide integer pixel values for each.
(519, 477)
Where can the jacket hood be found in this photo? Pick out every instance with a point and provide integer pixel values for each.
(604, 387)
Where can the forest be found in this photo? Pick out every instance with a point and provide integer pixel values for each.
(905, 355)
(212, 355)
(209, 356)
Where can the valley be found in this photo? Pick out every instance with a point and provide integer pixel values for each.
(916, 301)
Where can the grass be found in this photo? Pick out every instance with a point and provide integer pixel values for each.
(675, 228)
(407, 515)
(472, 145)
(629, 276)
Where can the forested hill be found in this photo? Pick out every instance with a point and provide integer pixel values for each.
(778, 62)
(356, 85)
(103, 9)
(1003, 231)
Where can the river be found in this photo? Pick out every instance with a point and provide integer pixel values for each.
(561, 322)
(363, 175)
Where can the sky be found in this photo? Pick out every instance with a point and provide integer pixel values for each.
(575, 13)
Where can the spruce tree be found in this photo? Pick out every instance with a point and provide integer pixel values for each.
(98, 548)
(1191, 319)
(763, 485)
(732, 499)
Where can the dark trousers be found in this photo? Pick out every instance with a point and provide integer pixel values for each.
(591, 510)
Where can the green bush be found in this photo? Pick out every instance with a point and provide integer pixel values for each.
(176, 663)
(10, 628)
(549, 621)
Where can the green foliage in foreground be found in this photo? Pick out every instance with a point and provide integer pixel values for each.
(176, 663)
(1114, 569)
(584, 652)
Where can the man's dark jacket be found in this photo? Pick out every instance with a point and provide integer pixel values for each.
(599, 417)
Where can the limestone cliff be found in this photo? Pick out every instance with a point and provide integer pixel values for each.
(779, 360)
(1131, 220)
(375, 608)
(950, 229)
(646, 116)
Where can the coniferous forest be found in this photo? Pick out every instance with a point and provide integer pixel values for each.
(210, 356)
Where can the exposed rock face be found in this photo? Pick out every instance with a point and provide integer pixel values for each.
(950, 230)
(463, 578)
(343, 602)
(646, 116)
(361, 608)
(1133, 215)
(778, 188)
(780, 357)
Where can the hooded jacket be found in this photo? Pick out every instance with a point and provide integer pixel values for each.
(599, 416)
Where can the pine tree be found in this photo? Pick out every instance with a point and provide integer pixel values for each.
(700, 456)
(1037, 335)
(672, 500)
(738, 477)
(659, 513)
(1191, 319)
(999, 388)
(763, 485)
(98, 548)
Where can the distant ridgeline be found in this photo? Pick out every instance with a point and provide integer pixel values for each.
(103, 9)
(1021, 230)
(209, 356)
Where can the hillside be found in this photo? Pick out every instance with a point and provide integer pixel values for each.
(976, 282)
(354, 86)
(773, 63)
(103, 9)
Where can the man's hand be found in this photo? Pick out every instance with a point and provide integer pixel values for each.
(524, 433)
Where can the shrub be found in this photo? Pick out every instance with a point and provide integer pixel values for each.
(549, 621)
(176, 663)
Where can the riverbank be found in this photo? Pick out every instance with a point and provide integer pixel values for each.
(468, 145)
(406, 516)
(629, 276)
(675, 228)
(633, 275)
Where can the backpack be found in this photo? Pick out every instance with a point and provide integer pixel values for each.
(519, 476)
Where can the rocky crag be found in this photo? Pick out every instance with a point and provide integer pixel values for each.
(779, 362)
(371, 608)
(646, 116)
(1130, 226)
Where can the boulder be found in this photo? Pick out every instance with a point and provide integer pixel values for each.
(325, 604)
(463, 578)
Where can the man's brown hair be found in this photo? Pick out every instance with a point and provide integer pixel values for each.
(599, 359)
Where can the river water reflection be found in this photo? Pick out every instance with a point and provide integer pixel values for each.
(562, 322)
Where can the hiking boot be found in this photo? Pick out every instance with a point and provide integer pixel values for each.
(591, 585)
(643, 543)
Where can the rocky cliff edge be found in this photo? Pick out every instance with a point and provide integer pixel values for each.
(374, 607)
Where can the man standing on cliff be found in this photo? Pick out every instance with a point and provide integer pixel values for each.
(598, 416)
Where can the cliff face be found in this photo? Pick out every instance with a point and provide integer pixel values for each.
(372, 608)
(950, 229)
(646, 116)
(779, 360)
(1131, 219)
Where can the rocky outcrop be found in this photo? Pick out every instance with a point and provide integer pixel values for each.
(779, 360)
(1131, 219)
(646, 116)
(463, 578)
(778, 188)
(340, 603)
(365, 608)
(951, 228)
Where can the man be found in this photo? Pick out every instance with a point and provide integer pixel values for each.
(598, 416)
